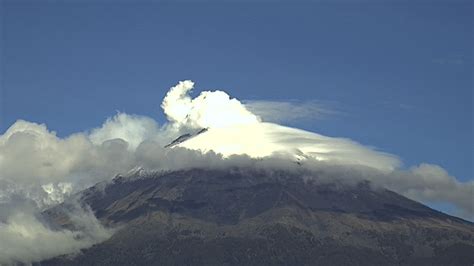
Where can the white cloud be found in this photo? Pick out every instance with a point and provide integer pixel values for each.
(426, 183)
(131, 128)
(24, 239)
(211, 109)
(38, 166)
(431, 183)
(233, 129)
(265, 139)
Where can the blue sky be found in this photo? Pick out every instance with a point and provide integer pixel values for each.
(399, 74)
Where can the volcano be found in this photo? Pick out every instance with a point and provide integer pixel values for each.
(263, 216)
(240, 216)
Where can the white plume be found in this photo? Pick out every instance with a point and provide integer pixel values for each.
(211, 109)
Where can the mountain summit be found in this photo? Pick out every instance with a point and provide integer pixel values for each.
(261, 217)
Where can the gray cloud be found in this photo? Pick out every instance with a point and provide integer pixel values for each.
(431, 183)
(76, 162)
(25, 238)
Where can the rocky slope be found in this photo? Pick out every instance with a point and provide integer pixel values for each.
(250, 217)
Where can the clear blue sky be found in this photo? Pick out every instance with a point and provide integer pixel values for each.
(401, 73)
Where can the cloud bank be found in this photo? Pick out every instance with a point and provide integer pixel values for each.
(38, 169)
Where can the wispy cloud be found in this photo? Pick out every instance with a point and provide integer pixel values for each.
(285, 111)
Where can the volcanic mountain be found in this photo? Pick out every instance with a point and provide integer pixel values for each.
(240, 216)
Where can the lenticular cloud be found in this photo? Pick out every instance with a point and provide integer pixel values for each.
(234, 130)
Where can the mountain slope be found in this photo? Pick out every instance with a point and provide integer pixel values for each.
(250, 217)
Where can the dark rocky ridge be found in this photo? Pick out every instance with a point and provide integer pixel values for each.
(249, 217)
(184, 137)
